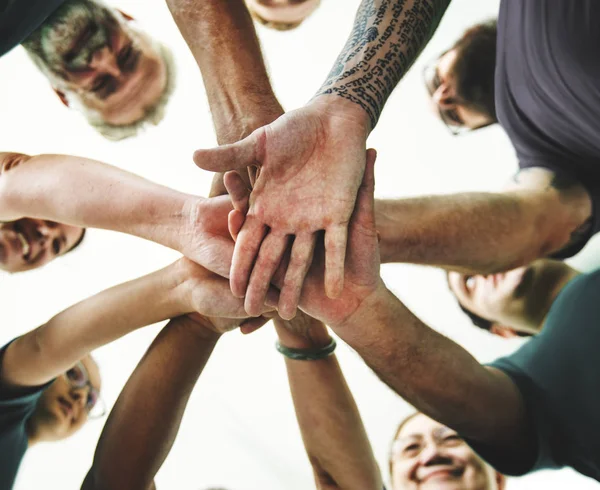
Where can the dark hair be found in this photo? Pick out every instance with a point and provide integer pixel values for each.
(78, 242)
(475, 66)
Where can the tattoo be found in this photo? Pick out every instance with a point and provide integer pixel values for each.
(387, 37)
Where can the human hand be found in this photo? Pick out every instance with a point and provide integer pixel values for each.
(208, 295)
(362, 261)
(206, 239)
(311, 162)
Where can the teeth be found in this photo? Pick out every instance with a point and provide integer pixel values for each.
(24, 244)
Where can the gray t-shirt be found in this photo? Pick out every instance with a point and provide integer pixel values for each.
(19, 18)
(558, 374)
(547, 90)
(15, 408)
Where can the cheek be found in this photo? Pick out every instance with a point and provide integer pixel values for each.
(401, 476)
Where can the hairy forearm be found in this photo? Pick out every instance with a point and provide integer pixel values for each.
(51, 349)
(431, 372)
(386, 39)
(469, 232)
(83, 192)
(339, 450)
(144, 422)
(222, 38)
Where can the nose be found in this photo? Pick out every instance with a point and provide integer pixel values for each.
(105, 61)
(444, 96)
(79, 397)
(431, 454)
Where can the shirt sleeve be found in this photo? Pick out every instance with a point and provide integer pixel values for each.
(16, 403)
(537, 419)
(590, 184)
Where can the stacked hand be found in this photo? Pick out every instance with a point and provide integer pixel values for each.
(310, 165)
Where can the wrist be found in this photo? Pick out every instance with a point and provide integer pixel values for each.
(314, 337)
(369, 309)
(338, 107)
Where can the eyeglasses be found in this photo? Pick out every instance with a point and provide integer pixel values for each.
(78, 377)
(449, 117)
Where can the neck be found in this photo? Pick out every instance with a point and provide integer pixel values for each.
(557, 277)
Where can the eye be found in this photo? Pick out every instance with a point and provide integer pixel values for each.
(128, 58)
(453, 439)
(92, 399)
(411, 449)
(76, 376)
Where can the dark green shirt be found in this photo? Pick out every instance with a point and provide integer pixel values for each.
(558, 374)
(15, 409)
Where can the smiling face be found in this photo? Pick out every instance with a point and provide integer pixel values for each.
(28, 243)
(429, 455)
(92, 57)
(62, 409)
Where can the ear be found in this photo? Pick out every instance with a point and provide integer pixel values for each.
(127, 17)
(500, 481)
(503, 331)
(61, 96)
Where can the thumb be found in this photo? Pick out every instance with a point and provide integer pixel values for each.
(229, 157)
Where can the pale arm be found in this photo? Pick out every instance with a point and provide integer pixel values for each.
(144, 422)
(83, 192)
(49, 350)
(484, 232)
(333, 433)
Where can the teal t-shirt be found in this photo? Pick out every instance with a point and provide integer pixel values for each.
(558, 374)
(15, 408)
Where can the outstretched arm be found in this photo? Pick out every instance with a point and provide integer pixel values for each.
(332, 430)
(222, 38)
(539, 214)
(83, 192)
(312, 159)
(144, 422)
(49, 350)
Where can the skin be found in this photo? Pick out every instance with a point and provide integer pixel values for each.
(311, 160)
(98, 60)
(428, 455)
(517, 300)
(27, 243)
(283, 11)
(61, 411)
(445, 98)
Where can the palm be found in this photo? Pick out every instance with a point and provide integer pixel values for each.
(311, 164)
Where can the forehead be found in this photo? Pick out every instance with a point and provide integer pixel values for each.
(446, 62)
(420, 425)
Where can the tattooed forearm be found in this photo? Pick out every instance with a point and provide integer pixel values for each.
(387, 37)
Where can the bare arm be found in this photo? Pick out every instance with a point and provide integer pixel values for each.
(222, 38)
(83, 192)
(438, 376)
(49, 350)
(332, 430)
(485, 232)
(386, 39)
(144, 422)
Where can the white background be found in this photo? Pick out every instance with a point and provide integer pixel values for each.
(239, 430)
